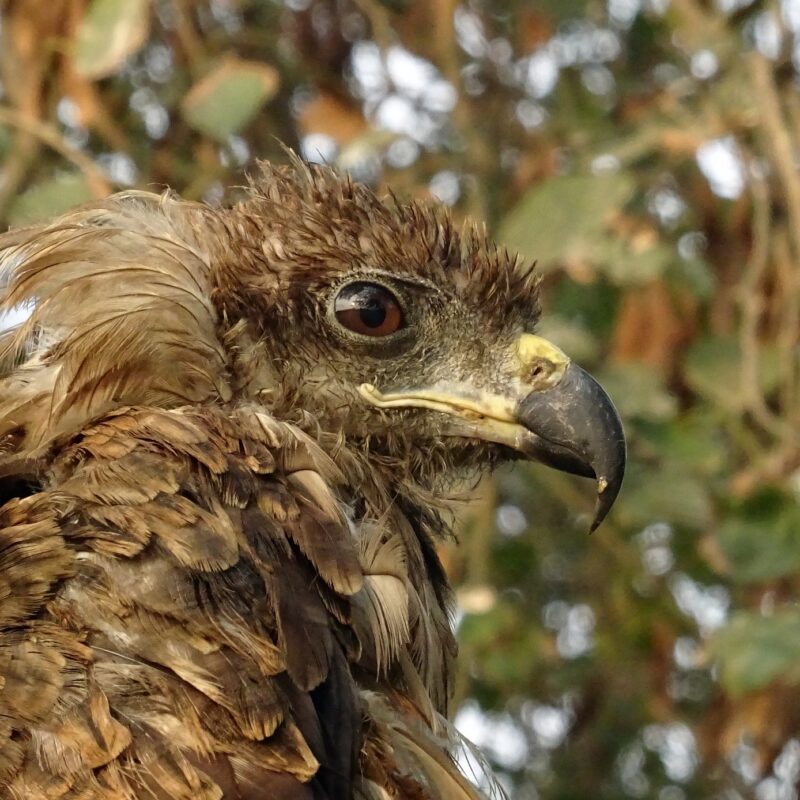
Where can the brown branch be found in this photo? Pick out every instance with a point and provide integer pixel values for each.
(15, 168)
(47, 135)
(781, 152)
(780, 148)
(788, 336)
(482, 532)
(379, 22)
(480, 155)
(751, 304)
(191, 44)
(477, 531)
(766, 468)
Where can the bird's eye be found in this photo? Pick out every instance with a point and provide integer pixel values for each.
(368, 309)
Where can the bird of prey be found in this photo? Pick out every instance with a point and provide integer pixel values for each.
(227, 442)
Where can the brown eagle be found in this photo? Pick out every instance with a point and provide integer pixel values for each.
(227, 440)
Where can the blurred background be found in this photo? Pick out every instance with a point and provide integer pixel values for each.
(645, 152)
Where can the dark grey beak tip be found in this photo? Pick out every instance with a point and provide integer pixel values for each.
(607, 492)
(581, 433)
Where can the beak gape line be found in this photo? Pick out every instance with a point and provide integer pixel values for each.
(562, 417)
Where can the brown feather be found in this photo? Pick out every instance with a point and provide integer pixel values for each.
(216, 579)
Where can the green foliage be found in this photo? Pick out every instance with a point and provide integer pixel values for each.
(640, 392)
(714, 371)
(753, 650)
(565, 218)
(668, 494)
(625, 265)
(110, 31)
(592, 306)
(228, 98)
(49, 197)
(762, 541)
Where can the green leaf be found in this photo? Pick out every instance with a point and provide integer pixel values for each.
(591, 305)
(694, 274)
(638, 391)
(49, 198)
(694, 440)
(510, 647)
(564, 218)
(226, 99)
(668, 494)
(628, 267)
(753, 650)
(561, 10)
(110, 31)
(5, 140)
(714, 371)
(763, 543)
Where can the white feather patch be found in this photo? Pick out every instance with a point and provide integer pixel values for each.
(383, 599)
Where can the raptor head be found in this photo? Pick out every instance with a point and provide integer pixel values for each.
(408, 335)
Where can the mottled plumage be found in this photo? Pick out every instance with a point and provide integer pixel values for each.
(218, 574)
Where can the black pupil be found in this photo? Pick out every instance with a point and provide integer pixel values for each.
(372, 305)
(373, 312)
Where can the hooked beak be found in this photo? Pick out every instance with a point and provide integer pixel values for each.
(580, 432)
(559, 415)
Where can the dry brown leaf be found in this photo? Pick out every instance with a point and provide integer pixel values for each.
(651, 327)
(332, 116)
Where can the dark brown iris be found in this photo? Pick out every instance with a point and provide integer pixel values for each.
(368, 309)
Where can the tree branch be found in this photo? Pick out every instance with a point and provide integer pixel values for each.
(46, 134)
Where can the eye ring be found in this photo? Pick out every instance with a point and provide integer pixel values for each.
(368, 309)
